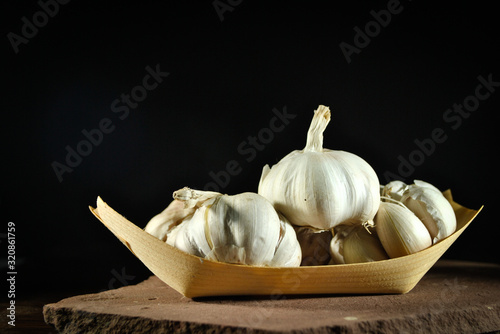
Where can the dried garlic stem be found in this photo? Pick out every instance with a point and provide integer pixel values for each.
(318, 125)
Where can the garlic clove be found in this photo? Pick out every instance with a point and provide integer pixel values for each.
(354, 244)
(400, 231)
(190, 236)
(432, 208)
(286, 254)
(315, 245)
(361, 246)
(337, 243)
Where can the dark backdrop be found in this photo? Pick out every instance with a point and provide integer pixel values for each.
(232, 67)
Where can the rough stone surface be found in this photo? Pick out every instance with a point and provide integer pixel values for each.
(453, 297)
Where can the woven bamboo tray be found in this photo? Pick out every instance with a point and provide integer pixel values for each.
(196, 277)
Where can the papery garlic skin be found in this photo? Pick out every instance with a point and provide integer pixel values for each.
(423, 184)
(432, 208)
(319, 187)
(354, 244)
(394, 189)
(239, 229)
(400, 231)
(164, 224)
(190, 237)
(287, 254)
(315, 245)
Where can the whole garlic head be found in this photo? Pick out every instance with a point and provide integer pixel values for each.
(239, 229)
(319, 187)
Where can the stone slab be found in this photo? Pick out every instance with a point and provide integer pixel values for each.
(453, 297)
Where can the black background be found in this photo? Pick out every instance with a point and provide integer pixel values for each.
(225, 78)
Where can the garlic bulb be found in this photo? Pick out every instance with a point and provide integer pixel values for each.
(319, 187)
(315, 245)
(354, 244)
(240, 229)
(400, 231)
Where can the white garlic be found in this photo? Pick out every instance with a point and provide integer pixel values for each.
(394, 189)
(315, 245)
(400, 231)
(432, 208)
(240, 229)
(164, 224)
(288, 252)
(319, 187)
(354, 244)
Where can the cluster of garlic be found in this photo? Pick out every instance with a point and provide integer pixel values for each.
(409, 219)
(340, 214)
(315, 206)
(239, 229)
(427, 203)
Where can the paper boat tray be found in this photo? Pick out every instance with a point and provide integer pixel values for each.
(196, 277)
